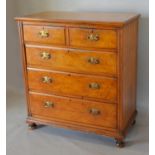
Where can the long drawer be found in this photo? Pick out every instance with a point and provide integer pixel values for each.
(78, 61)
(78, 85)
(81, 111)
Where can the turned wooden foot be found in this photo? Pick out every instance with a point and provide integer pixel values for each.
(32, 126)
(133, 123)
(120, 143)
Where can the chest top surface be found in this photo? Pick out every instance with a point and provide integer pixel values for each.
(115, 19)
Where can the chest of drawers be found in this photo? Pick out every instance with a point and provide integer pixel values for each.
(80, 70)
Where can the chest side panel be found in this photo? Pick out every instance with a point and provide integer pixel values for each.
(128, 69)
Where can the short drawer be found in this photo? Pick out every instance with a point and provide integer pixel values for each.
(77, 61)
(92, 38)
(44, 34)
(78, 85)
(74, 110)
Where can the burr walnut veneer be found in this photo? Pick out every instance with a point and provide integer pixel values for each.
(80, 70)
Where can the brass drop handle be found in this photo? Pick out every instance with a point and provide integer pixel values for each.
(45, 55)
(94, 111)
(43, 33)
(46, 79)
(93, 60)
(48, 104)
(93, 37)
(94, 85)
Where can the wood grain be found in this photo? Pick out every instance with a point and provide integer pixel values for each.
(110, 132)
(127, 80)
(81, 18)
(73, 60)
(24, 66)
(74, 110)
(79, 38)
(56, 34)
(73, 84)
(71, 73)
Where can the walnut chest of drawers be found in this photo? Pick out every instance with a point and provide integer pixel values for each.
(80, 70)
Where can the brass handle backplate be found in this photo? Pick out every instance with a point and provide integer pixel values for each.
(48, 104)
(94, 86)
(94, 111)
(43, 33)
(93, 60)
(46, 79)
(93, 37)
(45, 55)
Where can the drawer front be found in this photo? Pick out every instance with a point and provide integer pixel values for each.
(44, 34)
(73, 85)
(92, 38)
(72, 60)
(81, 111)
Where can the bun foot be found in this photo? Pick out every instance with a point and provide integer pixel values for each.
(32, 126)
(133, 123)
(120, 143)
